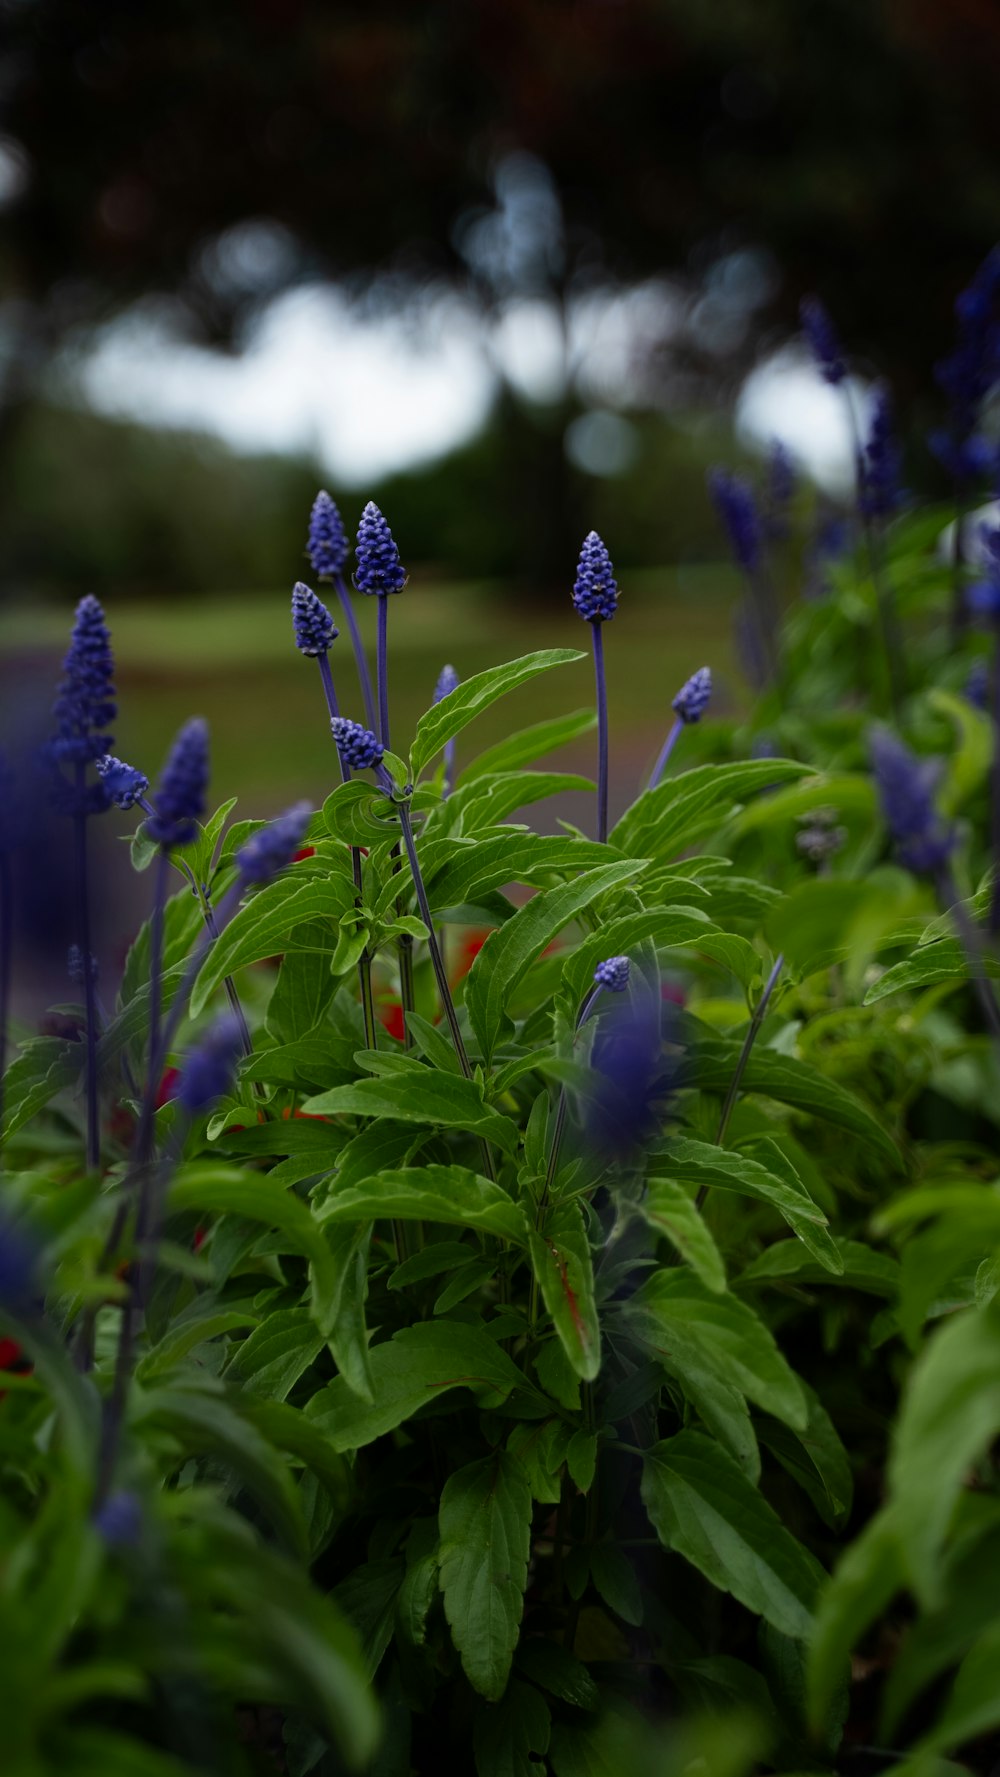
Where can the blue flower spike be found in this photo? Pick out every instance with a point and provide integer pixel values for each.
(180, 799)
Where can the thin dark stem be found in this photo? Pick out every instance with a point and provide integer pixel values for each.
(6, 936)
(665, 751)
(449, 769)
(144, 1139)
(364, 676)
(208, 914)
(223, 913)
(759, 1014)
(364, 960)
(382, 666)
(83, 917)
(972, 943)
(892, 641)
(602, 733)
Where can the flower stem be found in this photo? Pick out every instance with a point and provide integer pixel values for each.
(364, 676)
(382, 666)
(665, 752)
(892, 642)
(364, 960)
(558, 1130)
(83, 919)
(759, 1014)
(602, 733)
(144, 1140)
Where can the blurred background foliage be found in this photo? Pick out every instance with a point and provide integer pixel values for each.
(200, 163)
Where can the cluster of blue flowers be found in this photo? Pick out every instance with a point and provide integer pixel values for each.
(595, 591)
(180, 798)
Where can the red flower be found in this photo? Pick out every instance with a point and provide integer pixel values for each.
(308, 851)
(167, 1089)
(390, 1014)
(10, 1352)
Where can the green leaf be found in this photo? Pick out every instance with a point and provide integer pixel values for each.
(360, 814)
(877, 1274)
(530, 743)
(969, 761)
(505, 1734)
(277, 1353)
(703, 1507)
(581, 1459)
(469, 699)
(816, 1459)
(204, 1423)
(469, 869)
(614, 1576)
(850, 793)
(668, 819)
(485, 1525)
(229, 1191)
(557, 1671)
(561, 1261)
(540, 1446)
(418, 1365)
(620, 937)
(203, 1321)
(669, 1208)
(711, 1064)
(940, 1638)
(866, 1578)
(950, 1415)
(420, 1095)
(943, 961)
(490, 800)
(348, 1245)
(279, 918)
(726, 1415)
(45, 1066)
(451, 1195)
(509, 952)
(681, 1321)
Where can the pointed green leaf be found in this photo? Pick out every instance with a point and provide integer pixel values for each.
(703, 1507)
(485, 1524)
(451, 1195)
(530, 743)
(419, 1095)
(677, 1317)
(469, 699)
(287, 915)
(562, 1264)
(670, 1209)
(417, 1366)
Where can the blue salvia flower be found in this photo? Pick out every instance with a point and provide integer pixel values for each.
(327, 546)
(632, 1081)
(595, 591)
(180, 799)
(272, 847)
(968, 374)
(977, 685)
(315, 629)
(905, 786)
(693, 697)
(379, 569)
(124, 785)
(74, 965)
(735, 504)
(447, 682)
(778, 492)
(613, 974)
(358, 746)
(85, 702)
(823, 340)
(879, 491)
(119, 1520)
(209, 1069)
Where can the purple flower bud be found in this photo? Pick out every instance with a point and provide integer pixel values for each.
(379, 569)
(119, 1520)
(595, 590)
(447, 682)
(823, 341)
(613, 974)
(21, 1285)
(272, 847)
(86, 699)
(977, 685)
(327, 546)
(123, 783)
(734, 502)
(633, 1079)
(905, 786)
(74, 965)
(180, 799)
(209, 1069)
(778, 492)
(879, 492)
(358, 746)
(692, 699)
(314, 627)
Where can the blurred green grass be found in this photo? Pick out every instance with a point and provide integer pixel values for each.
(232, 660)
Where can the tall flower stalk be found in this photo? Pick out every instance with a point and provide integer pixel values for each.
(688, 706)
(363, 751)
(315, 632)
(874, 461)
(967, 376)
(380, 574)
(733, 1090)
(328, 549)
(595, 598)
(446, 684)
(734, 501)
(84, 706)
